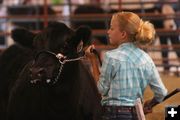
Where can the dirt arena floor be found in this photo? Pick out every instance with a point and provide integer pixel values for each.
(171, 82)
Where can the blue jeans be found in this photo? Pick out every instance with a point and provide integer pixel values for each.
(111, 114)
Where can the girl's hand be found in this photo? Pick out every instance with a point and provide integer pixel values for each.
(149, 104)
(147, 107)
(88, 52)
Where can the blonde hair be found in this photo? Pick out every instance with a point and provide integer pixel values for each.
(139, 31)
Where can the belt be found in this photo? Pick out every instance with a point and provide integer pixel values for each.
(118, 109)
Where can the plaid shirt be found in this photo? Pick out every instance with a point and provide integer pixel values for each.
(125, 73)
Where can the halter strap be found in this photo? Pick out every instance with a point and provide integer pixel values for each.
(62, 60)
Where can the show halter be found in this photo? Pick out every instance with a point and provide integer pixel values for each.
(62, 60)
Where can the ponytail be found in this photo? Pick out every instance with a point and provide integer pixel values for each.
(145, 33)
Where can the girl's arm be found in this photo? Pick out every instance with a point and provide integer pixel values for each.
(94, 62)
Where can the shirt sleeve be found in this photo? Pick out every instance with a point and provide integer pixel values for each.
(105, 76)
(156, 84)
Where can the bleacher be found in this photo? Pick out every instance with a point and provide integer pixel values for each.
(103, 17)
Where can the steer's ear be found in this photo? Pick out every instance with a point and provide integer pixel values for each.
(23, 36)
(83, 36)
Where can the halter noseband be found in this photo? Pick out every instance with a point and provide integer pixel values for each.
(62, 60)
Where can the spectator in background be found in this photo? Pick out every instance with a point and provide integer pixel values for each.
(98, 24)
(2, 24)
(168, 24)
(93, 7)
(129, 5)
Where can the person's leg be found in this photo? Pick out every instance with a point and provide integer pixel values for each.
(163, 42)
(175, 41)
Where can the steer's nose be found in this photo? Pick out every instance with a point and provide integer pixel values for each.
(36, 73)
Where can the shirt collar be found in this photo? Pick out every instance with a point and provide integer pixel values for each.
(128, 44)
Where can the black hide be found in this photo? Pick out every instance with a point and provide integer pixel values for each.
(73, 97)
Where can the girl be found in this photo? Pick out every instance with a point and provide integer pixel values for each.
(127, 70)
